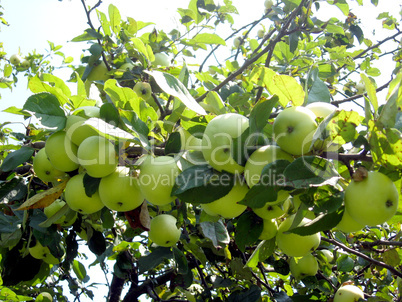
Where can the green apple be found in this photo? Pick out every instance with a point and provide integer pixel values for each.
(25, 64)
(272, 210)
(295, 245)
(227, 206)
(127, 66)
(294, 128)
(163, 230)
(87, 111)
(188, 141)
(99, 72)
(348, 293)
(98, 156)
(328, 255)
(157, 178)
(321, 109)
(268, 4)
(44, 169)
(61, 152)
(119, 191)
(161, 59)
(41, 252)
(304, 266)
(260, 33)
(348, 224)
(77, 131)
(217, 141)
(270, 229)
(54, 207)
(361, 88)
(15, 59)
(237, 42)
(211, 70)
(143, 90)
(373, 200)
(44, 297)
(78, 200)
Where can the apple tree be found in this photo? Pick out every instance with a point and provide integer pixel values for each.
(213, 162)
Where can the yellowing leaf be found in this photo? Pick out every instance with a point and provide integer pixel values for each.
(44, 198)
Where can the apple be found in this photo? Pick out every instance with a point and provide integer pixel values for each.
(98, 156)
(119, 191)
(44, 297)
(295, 245)
(54, 207)
(41, 252)
(188, 141)
(99, 72)
(25, 64)
(270, 229)
(77, 131)
(161, 59)
(211, 70)
(61, 152)
(78, 200)
(44, 169)
(143, 90)
(15, 59)
(87, 111)
(294, 128)
(157, 178)
(227, 206)
(361, 88)
(237, 42)
(127, 66)
(268, 4)
(373, 200)
(260, 33)
(322, 109)
(304, 266)
(348, 224)
(163, 230)
(272, 210)
(328, 255)
(348, 293)
(217, 141)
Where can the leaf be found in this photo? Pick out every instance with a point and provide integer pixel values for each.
(319, 92)
(260, 114)
(394, 100)
(208, 39)
(173, 86)
(248, 230)
(79, 270)
(371, 92)
(140, 46)
(43, 199)
(16, 158)
(46, 108)
(97, 243)
(152, 260)
(263, 250)
(57, 87)
(173, 144)
(345, 264)
(215, 103)
(216, 231)
(290, 88)
(252, 294)
(91, 184)
(115, 18)
(181, 261)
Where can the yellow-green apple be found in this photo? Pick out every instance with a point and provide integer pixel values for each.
(44, 169)
(61, 152)
(78, 200)
(361, 88)
(348, 224)
(163, 230)
(39, 251)
(372, 200)
(15, 59)
(127, 66)
(294, 128)
(87, 111)
(98, 156)
(217, 141)
(268, 4)
(348, 293)
(304, 266)
(119, 191)
(44, 297)
(321, 109)
(77, 131)
(143, 90)
(295, 245)
(188, 141)
(227, 206)
(157, 178)
(237, 42)
(270, 228)
(25, 64)
(99, 72)
(272, 210)
(161, 59)
(54, 207)
(260, 33)
(328, 255)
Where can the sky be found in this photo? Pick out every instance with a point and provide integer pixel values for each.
(34, 22)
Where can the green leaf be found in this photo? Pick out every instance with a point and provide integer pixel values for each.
(215, 103)
(115, 18)
(141, 47)
(288, 88)
(344, 263)
(263, 250)
(87, 36)
(79, 270)
(56, 88)
(394, 100)
(252, 294)
(260, 114)
(16, 158)
(173, 144)
(216, 231)
(91, 184)
(208, 39)
(371, 92)
(46, 108)
(319, 92)
(181, 261)
(173, 86)
(152, 260)
(248, 230)
(104, 22)
(97, 243)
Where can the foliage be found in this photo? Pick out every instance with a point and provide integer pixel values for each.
(299, 60)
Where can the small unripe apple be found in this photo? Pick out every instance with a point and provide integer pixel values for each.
(163, 230)
(237, 42)
(77, 131)
(44, 297)
(361, 88)
(143, 90)
(304, 266)
(328, 255)
(61, 152)
(321, 109)
(268, 4)
(25, 64)
(56, 206)
(99, 73)
(39, 251)
(348, 293)
(127, 66)
(161, 59)
(44, 169)
(260, 33)
(15, 59)
(270, 229)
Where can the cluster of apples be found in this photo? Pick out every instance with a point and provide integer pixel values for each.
(18, 61)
